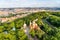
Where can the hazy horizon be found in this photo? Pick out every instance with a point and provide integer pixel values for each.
(29, 3)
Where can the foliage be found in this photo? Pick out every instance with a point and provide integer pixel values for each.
(45, 32)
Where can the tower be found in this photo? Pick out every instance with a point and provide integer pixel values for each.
(24, 25)
(31, 25)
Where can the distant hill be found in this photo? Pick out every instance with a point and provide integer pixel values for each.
(41, 8)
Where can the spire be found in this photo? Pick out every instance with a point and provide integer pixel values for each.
(24, 25)
(30, 23)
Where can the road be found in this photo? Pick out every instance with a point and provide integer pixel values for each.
(28, 34)
(44, 20)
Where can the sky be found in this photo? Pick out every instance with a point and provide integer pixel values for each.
(29, 3)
